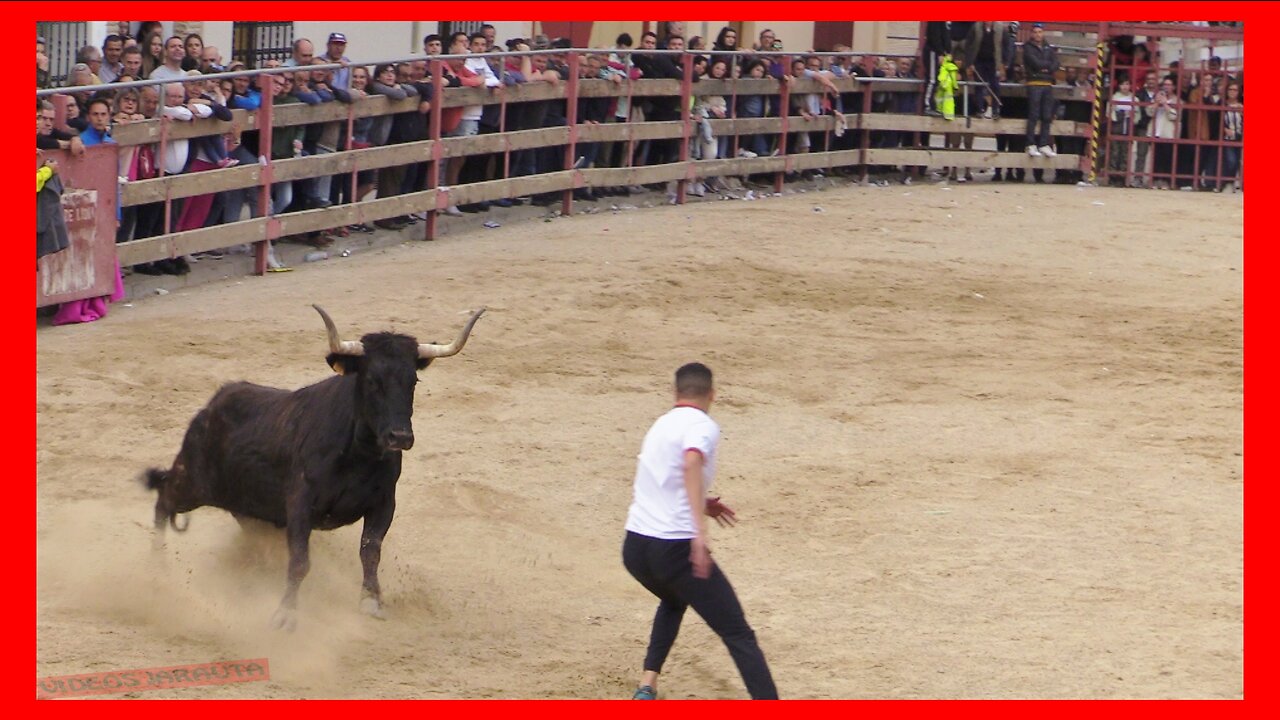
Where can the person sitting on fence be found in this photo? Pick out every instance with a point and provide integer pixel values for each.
(1040, 63)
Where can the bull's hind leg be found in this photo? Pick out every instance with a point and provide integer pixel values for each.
(376, 524)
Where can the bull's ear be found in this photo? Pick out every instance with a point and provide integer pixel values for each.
(344, 364)
(423, 363)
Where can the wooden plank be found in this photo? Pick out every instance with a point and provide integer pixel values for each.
(968, 158)
(609, 177)
(148, 131)
(191, 241)
(141, 192)
(145, 191)
(980, 126)
(621, 132)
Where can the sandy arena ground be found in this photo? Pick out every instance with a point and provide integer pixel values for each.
(984, 442)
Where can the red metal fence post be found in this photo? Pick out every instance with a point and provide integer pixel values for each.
(571, 119)
(437, 150)
(686, 124)
(266, 86)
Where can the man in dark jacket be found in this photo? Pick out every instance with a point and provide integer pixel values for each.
(1040, 61)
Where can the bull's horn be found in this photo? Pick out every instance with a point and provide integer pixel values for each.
(337, 346)
(428, 350)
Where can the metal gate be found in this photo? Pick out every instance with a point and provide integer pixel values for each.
(449, 27)
(62, 40)
(254, 43)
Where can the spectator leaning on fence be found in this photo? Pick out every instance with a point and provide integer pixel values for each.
(334, 53)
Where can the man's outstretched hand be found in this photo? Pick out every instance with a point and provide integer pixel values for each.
(723, 514)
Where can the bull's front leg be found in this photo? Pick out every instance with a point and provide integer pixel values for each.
(376, 524)
(298, 536)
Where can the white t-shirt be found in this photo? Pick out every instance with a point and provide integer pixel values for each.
(660, 508)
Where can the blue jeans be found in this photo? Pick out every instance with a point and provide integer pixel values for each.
(1040, 106)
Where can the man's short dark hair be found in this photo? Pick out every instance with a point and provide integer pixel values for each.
(561, 43)
(649, 33)
(453, 38)
(131, 50)
(624, 40)
(111, 38)
(98, 100)
(431, 38)
(477, 36)
(693, 380)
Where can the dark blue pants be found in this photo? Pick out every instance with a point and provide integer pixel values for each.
(1040, 105)
(664, 569)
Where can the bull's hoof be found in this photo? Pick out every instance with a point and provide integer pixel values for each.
(372, 607)
(285, 619)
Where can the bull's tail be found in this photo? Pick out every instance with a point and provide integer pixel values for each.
(158, 479)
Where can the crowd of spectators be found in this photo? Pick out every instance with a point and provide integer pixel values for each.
(1157, 110)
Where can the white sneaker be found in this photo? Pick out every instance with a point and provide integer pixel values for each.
(697, 189)
(745, 153)
(1048, 151)
(1033, 151)
(454, 211)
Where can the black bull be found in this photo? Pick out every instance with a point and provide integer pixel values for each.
(317, 458)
